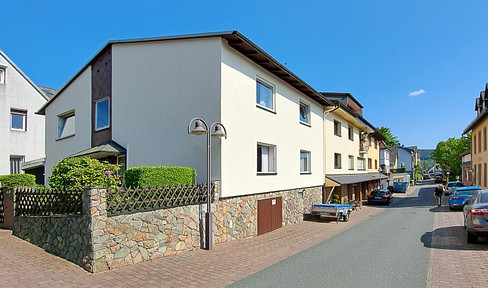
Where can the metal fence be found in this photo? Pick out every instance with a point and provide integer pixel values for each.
(32, 201)
(1, 205)
(129, 199)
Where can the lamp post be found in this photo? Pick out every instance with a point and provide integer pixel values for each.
(201, 128)
(379, 171)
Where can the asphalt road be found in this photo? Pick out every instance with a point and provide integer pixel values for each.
(388, 250)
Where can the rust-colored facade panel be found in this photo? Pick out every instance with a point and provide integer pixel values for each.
(101, 89)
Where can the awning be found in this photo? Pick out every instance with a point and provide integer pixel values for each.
(102, 151)
(33, 164)
(341, 179)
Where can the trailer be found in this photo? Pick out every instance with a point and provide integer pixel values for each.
(338, 211)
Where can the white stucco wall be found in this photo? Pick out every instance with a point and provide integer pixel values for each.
(247, 125)
(341, 145)
(76, 96)
(18, 93)
(158, 87)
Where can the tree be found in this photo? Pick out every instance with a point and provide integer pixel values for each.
(390, 139)
(447, 154)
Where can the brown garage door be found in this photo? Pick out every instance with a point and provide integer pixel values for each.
(269, 215)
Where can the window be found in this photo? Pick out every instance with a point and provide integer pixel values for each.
(102, 114)
(304, 113)
(264, 95)
(485, 172)
(15, 162)
(375, 163)
(304, 161)
(266, 158)
(484, 139)
(337, 161)
(350, 162)
(337, 128)
(474, 144)
(121, 163)
(479, 174)
(479, 141)
(18, 120)
(350, 133)
(360, 164)
(375, 143)
(2, 75)
(66, 125)
(370, 165)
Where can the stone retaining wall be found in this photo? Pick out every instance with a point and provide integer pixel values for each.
(98, 241)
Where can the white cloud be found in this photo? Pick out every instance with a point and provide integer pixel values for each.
(417, 93)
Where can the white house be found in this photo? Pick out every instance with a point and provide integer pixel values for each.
(21, 130)
(132, 102)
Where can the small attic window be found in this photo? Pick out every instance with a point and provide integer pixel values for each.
(2, 75)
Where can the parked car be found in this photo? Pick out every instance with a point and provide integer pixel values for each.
(426, 177)
(458, 198)
(383, 196)
(476, 216)
(451, 187)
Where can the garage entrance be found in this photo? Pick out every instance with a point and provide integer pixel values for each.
(269, 215)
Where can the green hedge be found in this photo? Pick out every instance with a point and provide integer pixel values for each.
(16, 180)
(159, 176)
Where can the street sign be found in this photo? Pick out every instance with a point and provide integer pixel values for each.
(448, 169)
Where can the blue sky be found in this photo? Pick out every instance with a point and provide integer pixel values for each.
(415, 65)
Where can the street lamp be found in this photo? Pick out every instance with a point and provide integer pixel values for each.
(201, 128)
(379, 171)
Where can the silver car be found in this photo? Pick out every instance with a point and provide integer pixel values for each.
(476, 216)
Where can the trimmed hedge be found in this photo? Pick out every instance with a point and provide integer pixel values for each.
(159, 176)
(16, 180)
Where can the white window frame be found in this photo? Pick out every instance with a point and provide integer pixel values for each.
(305, 156)
(306, 108)
(350, 163)
(360, 164)
(16, 164)
(3, 72)
(62, 119)
(23, 113)
(96, 114)
(267, 158)
(270, 86)
(337, 161)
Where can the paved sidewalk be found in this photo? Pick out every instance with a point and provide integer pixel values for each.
(454, 262)
(25, 265)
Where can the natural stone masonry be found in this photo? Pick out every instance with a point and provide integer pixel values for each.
(98, 241)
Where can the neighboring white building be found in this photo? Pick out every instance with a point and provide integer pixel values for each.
(132, 102)
(21, 130)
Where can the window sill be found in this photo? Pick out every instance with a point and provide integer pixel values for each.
(101, 129)
(305, 124)
(266, 173)
(266, 109)
(337, 167)
(65, 137)
(305, 173)
(17, 130)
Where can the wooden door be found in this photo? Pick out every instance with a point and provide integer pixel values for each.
(269, 215)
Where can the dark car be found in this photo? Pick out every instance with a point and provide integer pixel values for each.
(476, 216)
(439, 178)
(380, 196)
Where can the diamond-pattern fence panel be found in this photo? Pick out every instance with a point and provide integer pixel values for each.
(129, 199)
(45, 202)
(1, 204)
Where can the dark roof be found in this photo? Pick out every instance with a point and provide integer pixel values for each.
(476, 121)
(341, 95)
(338, 103)
(235, 40)
(355, 178)
(50, 92)
(101, 151)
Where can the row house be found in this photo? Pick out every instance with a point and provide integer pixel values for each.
(21, 129)
(131, 104)
(353, 145)
(479, 147)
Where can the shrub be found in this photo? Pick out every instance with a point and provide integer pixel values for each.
(16, 180)
(335, 199)
(76, 173)
(159, 176)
